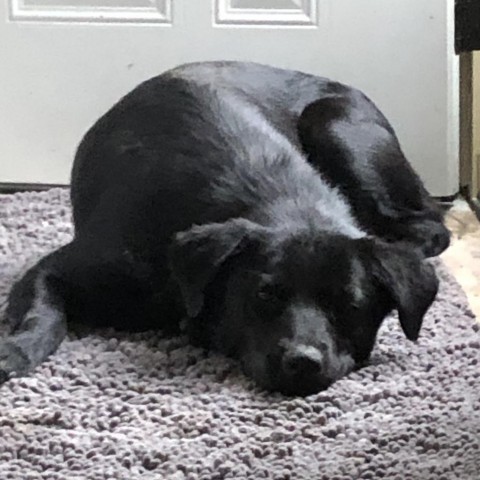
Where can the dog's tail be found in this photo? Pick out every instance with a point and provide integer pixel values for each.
(35, 318)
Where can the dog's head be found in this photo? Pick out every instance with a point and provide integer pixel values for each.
(299, 309)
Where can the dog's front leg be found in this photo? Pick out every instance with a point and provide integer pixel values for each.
(37, 320)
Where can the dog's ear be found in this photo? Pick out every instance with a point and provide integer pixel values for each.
(410, 282)
(197, 254)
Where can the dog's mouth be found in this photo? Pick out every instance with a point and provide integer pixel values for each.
(303, 387)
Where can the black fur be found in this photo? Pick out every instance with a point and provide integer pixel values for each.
(274, 210)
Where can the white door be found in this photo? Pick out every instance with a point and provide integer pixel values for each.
(64, 62)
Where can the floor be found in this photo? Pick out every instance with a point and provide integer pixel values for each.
(463, 256)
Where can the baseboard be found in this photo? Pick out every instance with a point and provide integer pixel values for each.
(28, 187)
(447, 199)
(445, 202)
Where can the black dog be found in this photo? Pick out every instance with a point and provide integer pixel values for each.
(273, 209)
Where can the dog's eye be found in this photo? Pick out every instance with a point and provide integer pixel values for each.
(271, 293)
(266, 294)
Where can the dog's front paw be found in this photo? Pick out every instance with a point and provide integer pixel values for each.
(13, 361)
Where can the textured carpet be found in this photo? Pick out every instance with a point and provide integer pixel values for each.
(116, 406)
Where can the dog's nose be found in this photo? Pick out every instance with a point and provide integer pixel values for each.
(303, 360)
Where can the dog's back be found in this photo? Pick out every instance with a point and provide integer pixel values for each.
(211, 140)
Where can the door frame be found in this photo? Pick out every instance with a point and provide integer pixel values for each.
(470, 125)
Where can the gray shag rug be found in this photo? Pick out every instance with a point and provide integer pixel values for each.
(119, 406)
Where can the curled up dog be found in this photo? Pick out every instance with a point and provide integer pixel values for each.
(272, 210)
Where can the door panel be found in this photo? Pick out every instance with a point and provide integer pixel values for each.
(99, 11)
(266, 12)
(65, 62)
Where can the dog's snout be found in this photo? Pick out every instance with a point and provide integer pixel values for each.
(303, 360)
(303, 369)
